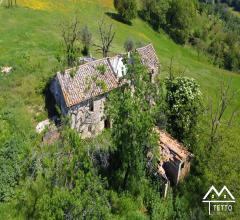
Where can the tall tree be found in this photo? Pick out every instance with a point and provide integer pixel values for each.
(70, 32)
(86, 38)
(126, 8)
(129, 45)
(154, 12)
(133, 122)
(184, 107)
(180, 19)
(107, 35)
(226, 97)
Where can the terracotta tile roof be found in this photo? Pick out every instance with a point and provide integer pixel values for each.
(149, 57)
(87, 82)
(170, 148)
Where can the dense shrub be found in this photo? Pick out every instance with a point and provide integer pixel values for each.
(129, 45)
(180, 16)
(65, 184)
(184, 106)
(126, 8)
(175, 17)
(154, 12)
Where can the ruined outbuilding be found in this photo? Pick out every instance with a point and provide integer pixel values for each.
(175, 158)
(173, 163)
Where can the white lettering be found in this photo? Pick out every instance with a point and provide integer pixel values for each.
(230, 208)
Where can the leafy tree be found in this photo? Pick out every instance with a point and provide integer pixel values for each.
(16, 138)
(174, 16)
(180, 18)
(63, 184)
(126, 8)
(129, 45)
(86, 38)
(184, 106)
(216, 49)
(70, 32)
(132, 130)
(158, 208)
(107, 35)
(154, 11)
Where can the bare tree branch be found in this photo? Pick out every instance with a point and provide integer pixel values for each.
(225, 98)
(70, 32)
(106, 36)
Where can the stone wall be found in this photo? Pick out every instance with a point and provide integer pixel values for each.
(57, 93)
(185, 169)
(87, 121)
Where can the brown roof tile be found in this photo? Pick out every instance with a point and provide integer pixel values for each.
(87, 82)
(149, 57)
(170, 148)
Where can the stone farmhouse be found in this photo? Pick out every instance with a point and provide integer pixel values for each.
(81, 93)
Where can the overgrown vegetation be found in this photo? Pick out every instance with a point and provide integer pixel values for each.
(29, 172)
(211, 28)
(126, 8)
(184, 105)
(132, 132)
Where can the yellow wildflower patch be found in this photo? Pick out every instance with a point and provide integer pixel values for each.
(35, 4)
(106, 3)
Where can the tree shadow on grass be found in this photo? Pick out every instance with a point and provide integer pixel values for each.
(152, 23)
(118, 17)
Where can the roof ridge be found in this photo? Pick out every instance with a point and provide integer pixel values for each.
(72, 94)
(150, 44)
(85, 64)
(106, 58)
(179, 146)
(110, 65)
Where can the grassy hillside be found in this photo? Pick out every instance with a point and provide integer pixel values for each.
(31, 30)
(30, 38)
